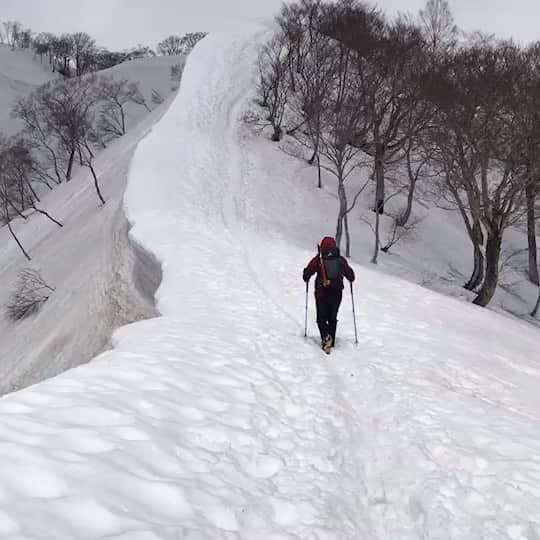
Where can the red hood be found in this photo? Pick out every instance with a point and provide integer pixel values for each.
(328, 243)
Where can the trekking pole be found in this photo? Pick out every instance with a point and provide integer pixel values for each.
(307, 293)
(354, 316)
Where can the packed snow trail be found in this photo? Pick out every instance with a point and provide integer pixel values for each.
(197, 425)
(218, 421)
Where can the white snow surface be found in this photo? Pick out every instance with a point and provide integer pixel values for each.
(19, 75)
(217, 420)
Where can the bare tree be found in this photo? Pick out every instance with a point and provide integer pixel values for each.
(114, 95)
(484, 170)
(104, 59)
(275, 84)
(63, 48)
(61, 115)
(176, 76)
(527, 107)
(24, 38)
(12, 30)
(37, 129)
(141, 51)
(41, 44)
(171, 46)
(438, 26)
(400, 232)
(189, 40)
(6, 204)
(391, 70)
(315, 67)
(31, 292)
(67, 106)
(418, 161)
(342, 118)
(21, 170)
(84, 48)
(87, 159)
(291, 22)
(76, 121)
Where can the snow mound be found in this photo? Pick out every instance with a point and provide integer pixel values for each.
(218, 421)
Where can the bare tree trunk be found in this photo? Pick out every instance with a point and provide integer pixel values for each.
(21, 195)
(379, 178)
(17, 240)
(123, 115)
(55, 163)
(276, 136)
(315, 154)
(531, 233)
(493, 252)
(342, 196)
(339, 231)
(347, 236)
(537, 305)
(34, 194)
(405, 216)
(477, 276)
(70, 165)
(319, 174)
(96, 183)
(377, 234)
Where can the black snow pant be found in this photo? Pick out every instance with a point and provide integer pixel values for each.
(328, 302)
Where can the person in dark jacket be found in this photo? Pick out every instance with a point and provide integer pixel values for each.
(330, 268)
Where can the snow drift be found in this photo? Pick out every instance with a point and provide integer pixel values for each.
(217, 420)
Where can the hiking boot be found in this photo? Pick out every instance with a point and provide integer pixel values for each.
(327, 344)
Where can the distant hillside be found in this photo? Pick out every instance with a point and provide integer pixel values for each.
(19, 75)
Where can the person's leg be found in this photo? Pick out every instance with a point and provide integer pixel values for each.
(323, 314)
(333, 313)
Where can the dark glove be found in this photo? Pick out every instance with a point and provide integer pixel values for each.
(306, 275)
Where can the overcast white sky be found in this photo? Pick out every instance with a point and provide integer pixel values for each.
(122, 23)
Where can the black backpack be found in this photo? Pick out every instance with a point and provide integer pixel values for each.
(333, 268)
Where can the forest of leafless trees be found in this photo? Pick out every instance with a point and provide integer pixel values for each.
(408, 101)
(73, 55)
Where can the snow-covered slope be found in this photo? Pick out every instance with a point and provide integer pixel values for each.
(152, 74)
(217, 420)
(19, 75)
(89, 261)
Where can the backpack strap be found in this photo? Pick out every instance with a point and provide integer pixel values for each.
(325, 280)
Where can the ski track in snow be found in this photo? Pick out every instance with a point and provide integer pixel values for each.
(217, 421)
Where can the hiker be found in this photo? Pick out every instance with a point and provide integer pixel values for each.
(330, 268)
